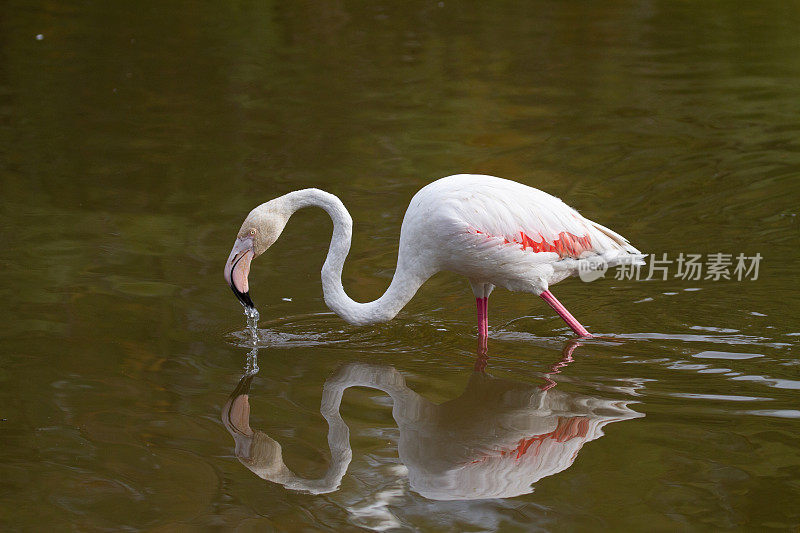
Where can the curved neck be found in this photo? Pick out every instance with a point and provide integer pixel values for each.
(407, 278)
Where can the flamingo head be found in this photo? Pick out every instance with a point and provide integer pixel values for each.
(260, 230)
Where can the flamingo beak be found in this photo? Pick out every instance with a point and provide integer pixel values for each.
(237, 268)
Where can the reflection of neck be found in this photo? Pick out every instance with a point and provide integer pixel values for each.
(263, 455)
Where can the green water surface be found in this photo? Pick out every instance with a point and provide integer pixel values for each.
(135, 137)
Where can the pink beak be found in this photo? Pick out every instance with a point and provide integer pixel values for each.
(237, 268)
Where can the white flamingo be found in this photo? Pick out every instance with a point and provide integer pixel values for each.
(491, 230)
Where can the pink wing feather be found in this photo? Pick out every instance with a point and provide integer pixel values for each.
(531, 219)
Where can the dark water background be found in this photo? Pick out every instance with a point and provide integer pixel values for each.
(134, 138)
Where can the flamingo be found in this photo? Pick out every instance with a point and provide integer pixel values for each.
(494, 231)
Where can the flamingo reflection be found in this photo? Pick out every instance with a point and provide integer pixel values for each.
(495, 440)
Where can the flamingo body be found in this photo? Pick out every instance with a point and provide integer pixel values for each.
(494, 231)
(500, 232)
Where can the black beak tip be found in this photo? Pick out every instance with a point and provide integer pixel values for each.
(244, 298)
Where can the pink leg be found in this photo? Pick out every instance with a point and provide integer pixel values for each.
(483, 316)
(483, 333)
(576, 326)
(486, 316)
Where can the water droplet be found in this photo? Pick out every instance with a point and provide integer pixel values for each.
(251, 365)
(251, 313)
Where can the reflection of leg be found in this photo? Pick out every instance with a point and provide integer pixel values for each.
(483, 354)
(576, 326)
(566, 354)
(566, 358)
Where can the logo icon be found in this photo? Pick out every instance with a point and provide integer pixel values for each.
(592, 268)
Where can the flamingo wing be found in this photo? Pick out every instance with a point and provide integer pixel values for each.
(509, 213)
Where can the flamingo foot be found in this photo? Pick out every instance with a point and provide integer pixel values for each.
(576, 326)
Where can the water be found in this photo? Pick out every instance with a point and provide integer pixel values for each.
(251, 364)
(495, 440)
(134, 141)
